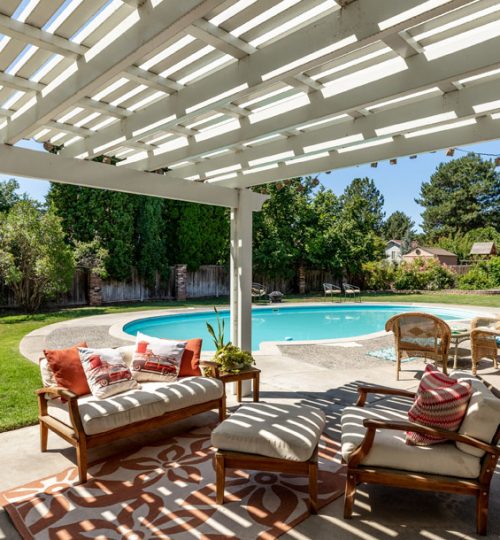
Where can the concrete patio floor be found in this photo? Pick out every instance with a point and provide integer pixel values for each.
(327, 372)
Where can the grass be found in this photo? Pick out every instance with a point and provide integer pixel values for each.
(19, 377)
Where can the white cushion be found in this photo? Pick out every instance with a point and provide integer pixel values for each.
(151, 400)
(390, 450)
(127, 351)
(279, 431)
(482, 417)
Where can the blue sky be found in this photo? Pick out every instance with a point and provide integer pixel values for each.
(399, 184)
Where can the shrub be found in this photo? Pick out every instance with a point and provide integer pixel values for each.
(484, 275)
(378, 275)
(34, 260)
(423, 274)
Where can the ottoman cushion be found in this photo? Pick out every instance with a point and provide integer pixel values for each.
(288, 432)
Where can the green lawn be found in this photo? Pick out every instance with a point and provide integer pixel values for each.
(19, 377)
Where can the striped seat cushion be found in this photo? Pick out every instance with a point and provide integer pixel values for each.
(440, 402)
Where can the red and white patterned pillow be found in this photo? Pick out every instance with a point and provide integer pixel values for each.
(440, 402)
(156, 359)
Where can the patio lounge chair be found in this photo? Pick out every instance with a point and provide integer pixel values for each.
(351, 291)
(484, 337)
(332, 290)
(421, 335)
(373, 446)
(258, 291)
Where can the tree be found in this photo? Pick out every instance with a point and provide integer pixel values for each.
(283, 228)
(461, 244)
(34, 259)
(363, 204)
(398, 226)
(8, 195)
(461, 195)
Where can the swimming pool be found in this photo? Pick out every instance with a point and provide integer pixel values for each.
(290, 324)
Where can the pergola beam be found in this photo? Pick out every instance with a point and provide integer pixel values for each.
(356, 18)
(44, 166)
(486, 129)
(154, 27)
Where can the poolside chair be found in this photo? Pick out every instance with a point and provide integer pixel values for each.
(485, 340)
(258, 291)
(332, 290)
(421, 335)
(373, 446)
(351, 291)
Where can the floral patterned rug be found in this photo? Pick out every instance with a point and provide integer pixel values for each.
(168, 491)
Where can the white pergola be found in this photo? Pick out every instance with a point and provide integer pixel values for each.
(202, 99)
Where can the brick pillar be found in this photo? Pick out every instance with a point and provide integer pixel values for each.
(180, 282)
(302, 280)
(95, 289)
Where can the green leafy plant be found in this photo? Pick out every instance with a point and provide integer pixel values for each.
(217, 337)
(229, 357)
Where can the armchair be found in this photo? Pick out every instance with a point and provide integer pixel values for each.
(484, 337)
(373, 446)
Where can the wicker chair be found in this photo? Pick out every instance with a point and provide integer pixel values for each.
(485, 332)
(421, 335)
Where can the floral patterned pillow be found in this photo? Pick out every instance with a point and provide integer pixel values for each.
(156, 359)
(106, 372)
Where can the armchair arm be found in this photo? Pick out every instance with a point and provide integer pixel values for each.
(484, 322)
(364, 390)
(211, 367)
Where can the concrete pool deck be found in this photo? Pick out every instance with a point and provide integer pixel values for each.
(326, 372)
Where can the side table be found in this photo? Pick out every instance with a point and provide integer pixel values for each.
(250, 373)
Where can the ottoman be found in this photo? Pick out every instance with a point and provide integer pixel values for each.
(270, 437)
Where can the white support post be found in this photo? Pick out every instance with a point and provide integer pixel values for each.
(241, 271)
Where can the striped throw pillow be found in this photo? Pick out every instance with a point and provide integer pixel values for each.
(440, 402)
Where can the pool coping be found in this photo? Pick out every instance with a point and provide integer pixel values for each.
(272, 347)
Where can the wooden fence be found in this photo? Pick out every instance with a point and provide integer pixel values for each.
(207, 281)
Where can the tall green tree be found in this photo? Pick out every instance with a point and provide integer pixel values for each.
(282, 230)
(8, 195)
(461, 195)
(461, 244)
(363, 204)
(35, 262)
(398, 226)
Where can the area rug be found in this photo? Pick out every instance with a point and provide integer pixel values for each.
(168, 491)
(388, 354)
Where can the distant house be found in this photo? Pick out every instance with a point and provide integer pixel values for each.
(393, 251)
(442, 255)
(483, 250)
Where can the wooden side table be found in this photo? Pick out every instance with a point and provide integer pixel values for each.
(250, 373)
(457, 337)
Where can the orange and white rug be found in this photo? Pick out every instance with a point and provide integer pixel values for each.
(167, 491)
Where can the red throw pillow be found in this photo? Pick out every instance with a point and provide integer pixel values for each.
(190, 362)
(440, 402)
(68, 369)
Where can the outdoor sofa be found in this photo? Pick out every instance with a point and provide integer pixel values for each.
(87, 422)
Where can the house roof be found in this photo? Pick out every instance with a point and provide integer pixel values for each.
(438, 251)
(397, 242)
(483, 248)
(237, 93)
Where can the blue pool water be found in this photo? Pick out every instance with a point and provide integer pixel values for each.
(287, 323)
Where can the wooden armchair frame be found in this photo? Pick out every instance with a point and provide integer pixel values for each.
(480, 487)
(76, 436)
(442, 340)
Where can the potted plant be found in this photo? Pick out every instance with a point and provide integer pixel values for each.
(228, 357)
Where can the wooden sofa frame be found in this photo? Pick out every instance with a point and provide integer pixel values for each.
(77, 437)
(480, 487)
